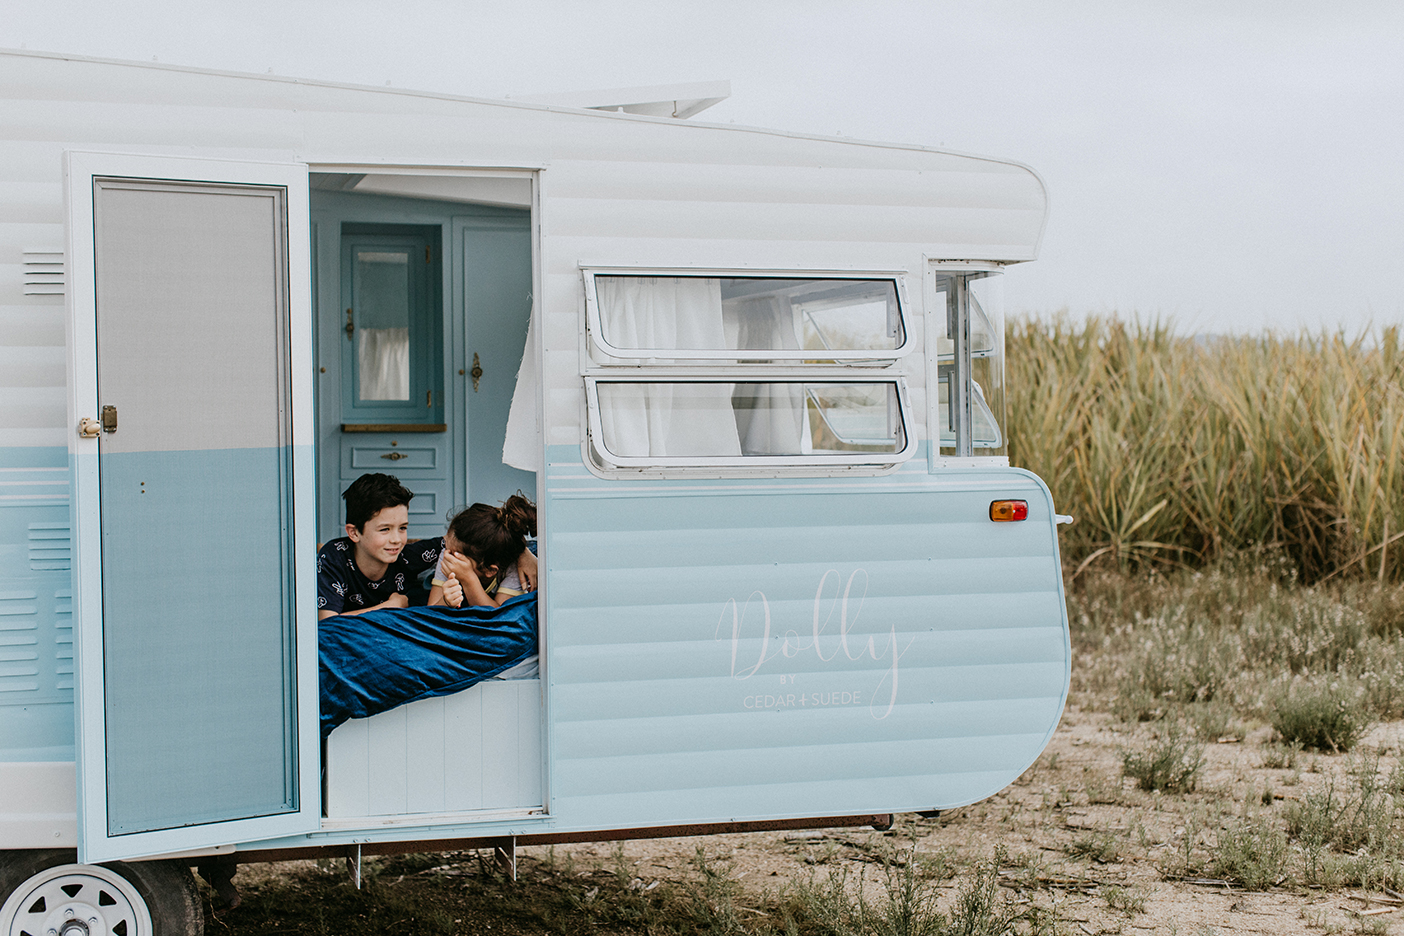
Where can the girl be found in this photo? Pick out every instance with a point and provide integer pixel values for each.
(485, 560)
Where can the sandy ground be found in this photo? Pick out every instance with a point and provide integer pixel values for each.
(1080, 840)
(1080, 837)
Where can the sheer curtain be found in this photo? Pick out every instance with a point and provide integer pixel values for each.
(672, 419)
(383, 366)
(769, 417)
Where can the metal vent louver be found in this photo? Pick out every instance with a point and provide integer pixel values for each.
(43, 272)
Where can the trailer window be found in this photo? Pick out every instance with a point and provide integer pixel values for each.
(716, 422)
(745, 318)
(973, 307)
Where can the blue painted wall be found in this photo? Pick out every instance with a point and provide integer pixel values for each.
(36, 604)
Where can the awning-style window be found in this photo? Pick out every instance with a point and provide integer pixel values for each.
(770, 319)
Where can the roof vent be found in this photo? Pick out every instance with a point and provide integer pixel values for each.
(43, 272)
(679, 100)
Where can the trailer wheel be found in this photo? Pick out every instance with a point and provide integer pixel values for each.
(46, 894)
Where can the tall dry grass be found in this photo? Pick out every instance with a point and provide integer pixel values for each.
(1172, 450)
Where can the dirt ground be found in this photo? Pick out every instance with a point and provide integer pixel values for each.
(1079, 839)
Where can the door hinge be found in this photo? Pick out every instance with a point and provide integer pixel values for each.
(426, 253)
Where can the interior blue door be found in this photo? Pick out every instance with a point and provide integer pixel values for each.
(496, 269)
(195, 639)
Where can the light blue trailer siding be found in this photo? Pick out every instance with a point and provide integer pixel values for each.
(36, 605)
(726, 650)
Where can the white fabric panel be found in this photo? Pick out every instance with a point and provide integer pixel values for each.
(661, 311)
(665, 419)
(769, 417)
(522, 447)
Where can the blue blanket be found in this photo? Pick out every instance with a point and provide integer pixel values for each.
(375, 661)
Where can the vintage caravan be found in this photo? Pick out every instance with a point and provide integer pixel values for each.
(753, 380)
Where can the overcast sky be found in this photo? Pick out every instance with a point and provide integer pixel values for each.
(1233, 166)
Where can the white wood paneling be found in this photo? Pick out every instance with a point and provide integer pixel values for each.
(479, 749)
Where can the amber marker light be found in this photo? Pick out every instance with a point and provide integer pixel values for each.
(1006, 511)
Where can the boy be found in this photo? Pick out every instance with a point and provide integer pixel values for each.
(369, 568)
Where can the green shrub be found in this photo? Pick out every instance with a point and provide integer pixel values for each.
(1321, 717)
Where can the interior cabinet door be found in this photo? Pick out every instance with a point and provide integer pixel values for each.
(194, 503)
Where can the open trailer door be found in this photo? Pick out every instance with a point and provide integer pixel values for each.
(190, 405)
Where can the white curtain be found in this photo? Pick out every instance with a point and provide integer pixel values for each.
(522, 448)
(769, 417)
(383, 363)
(665, 419)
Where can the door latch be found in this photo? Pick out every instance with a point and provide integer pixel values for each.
(88, 428)
(108, 418)
(477, 372)
(350, 326)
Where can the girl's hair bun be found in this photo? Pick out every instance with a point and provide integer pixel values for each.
(518, 515)
(495, 535)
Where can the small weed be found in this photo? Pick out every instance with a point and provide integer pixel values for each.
(1102, 790)
(1251, 852)
(1281, 756)
(1097, 846)
(1395, 784)
(1170, 764)
(1212, 721)
(1129, 900)
(713, 899)
(1361, 816)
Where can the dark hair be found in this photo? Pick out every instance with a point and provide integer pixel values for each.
(369, 494)
(495, 536)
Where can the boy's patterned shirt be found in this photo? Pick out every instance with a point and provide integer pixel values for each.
(342, 587)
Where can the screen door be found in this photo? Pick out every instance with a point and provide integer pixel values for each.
(190, 623)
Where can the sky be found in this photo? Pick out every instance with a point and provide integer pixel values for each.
(1231, 167)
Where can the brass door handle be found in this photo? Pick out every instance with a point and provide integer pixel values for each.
(394, 456)
(477, 372)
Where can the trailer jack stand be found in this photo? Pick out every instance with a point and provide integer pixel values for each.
(220, 876)
(505, 852)
(353, 864)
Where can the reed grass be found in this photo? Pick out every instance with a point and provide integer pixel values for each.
(1172, 450)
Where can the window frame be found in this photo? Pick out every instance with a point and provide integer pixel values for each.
(606, 460)
(938, 322)
(612, 356)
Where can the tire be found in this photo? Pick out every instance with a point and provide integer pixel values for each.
(46, 891)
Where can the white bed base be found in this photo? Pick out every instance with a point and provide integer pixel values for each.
(477, 750)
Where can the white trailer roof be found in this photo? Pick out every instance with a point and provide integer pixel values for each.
(956, 206)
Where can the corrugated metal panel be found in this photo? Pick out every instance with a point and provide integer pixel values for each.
(721, 649)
